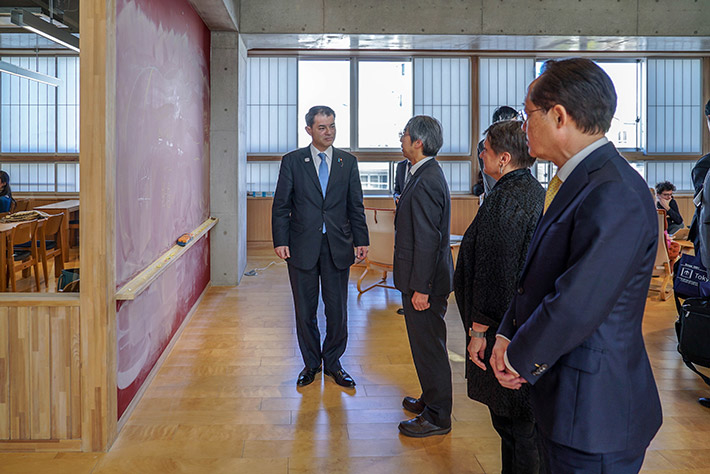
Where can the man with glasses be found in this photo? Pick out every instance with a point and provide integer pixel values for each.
(573, 329)
(665, 201)
(318, 224)
(423, 272)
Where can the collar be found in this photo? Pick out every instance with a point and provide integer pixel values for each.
(328, 153)
(419, 164)
(566, 170)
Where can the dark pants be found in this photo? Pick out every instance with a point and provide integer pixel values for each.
(520, 446)
(565, 460)
(427, 338)
(333, 284)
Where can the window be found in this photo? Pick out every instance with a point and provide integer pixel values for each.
(625, 130)
(38, 118)
(324, 83)
(502, 81)
(43, 177)
(372, 99)
(375, 177)
(384, 102)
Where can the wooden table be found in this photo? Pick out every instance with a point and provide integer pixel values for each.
(68, 207)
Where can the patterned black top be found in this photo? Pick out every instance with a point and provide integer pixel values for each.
(490, 261)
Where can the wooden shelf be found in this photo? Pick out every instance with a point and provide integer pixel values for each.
(140, 282)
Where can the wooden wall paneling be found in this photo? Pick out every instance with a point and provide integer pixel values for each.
(19, 373)
(259, 219)
(97, 252)
(75, 372)
(40, 394)
(61, 413)
(462, 213)
(4, 375)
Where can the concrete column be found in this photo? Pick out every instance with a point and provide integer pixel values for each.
(228, 249)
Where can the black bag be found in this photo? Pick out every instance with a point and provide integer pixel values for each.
(693, 331)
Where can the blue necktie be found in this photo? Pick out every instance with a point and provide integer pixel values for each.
(323, 177)
(323, 173)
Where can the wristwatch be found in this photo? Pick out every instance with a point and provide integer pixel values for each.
(472, 333)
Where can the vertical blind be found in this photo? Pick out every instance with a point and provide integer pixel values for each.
(442, 89)
(502, 81)
(272, 101)
(38, 118)
(674, 102)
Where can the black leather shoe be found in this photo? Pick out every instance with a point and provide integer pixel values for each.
(400, 311)
(420, 428)
(704, 402)
(414, 405)
(341, 377)
(307, 376)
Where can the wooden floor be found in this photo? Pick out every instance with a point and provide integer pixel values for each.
(226, 399)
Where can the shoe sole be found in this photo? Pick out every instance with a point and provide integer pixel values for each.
(411, 434)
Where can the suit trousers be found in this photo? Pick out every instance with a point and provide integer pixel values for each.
(427, 339)
(521, 446)
(333, 283)
(565, 460)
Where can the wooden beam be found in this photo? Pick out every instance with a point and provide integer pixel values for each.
(97, 232)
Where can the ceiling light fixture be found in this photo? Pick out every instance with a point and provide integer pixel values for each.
(18, 71)
(36, 25)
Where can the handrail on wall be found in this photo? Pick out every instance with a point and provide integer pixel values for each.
(140, 282)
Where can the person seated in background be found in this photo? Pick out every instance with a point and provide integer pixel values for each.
(665, 201)
(6, 199)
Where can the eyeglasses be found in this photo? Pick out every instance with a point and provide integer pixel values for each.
(403, 134)
(526, 115)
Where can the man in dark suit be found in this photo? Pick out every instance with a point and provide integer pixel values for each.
(573, 330)
(423, 272)
(318, 218)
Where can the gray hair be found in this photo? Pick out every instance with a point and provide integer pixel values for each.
(429, 131)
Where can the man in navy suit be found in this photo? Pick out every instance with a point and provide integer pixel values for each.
(424, 273)
(573, 330)
(318, 225)
(400, 175)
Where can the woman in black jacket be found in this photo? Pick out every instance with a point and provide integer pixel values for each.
(490, 261)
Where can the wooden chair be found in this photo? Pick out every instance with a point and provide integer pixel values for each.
(380, 224)
(21, 259)
(20, 205)
(51, 245)
(662, 276)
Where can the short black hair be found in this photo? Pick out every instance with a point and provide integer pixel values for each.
(429, 131)
(508, 135)
(504, 113)
(581, 87)
(664, 186)
(707, 109)
(318, 110)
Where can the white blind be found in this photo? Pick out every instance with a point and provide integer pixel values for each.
(272, 100)
(674, 106)
(677, 172)
(442, 89)
(43, 177)
(262, 177)
(502, 81)
(68, 105)
(458, 175)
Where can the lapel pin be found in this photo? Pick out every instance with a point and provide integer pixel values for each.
(308, 160)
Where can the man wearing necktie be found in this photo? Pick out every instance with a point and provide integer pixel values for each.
(573, 330)
(318, 226)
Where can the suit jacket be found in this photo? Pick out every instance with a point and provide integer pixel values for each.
(575, 322)
(400, 176)
(422, 250)
(299, 209)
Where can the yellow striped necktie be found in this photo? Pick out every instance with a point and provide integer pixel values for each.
(552, 189)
